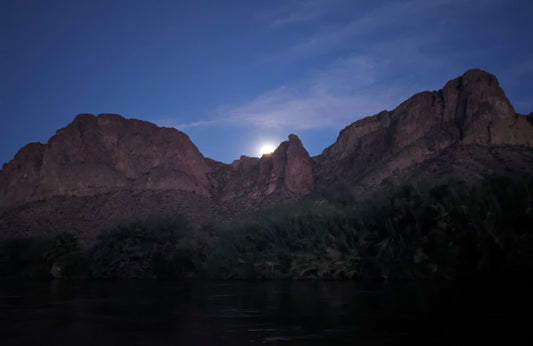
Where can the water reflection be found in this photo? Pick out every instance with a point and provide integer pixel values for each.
(272, 313)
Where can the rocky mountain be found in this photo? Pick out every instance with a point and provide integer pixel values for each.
(101, 169)
(94, 155)
(470, 114)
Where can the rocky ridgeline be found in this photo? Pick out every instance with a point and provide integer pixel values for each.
(469, 120)
(471, 110)
(95, 155)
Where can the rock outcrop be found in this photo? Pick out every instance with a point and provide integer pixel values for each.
(100, 169)
(477, 108)
(251, 183)
(469, 110)
(299, 175)
(95, 155)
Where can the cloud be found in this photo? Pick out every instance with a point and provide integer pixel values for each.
(369, 76)
(343, 92)
(281, 109)
(292, 18)
(182, 126)
(354, 26)
(298, 11)
(285, 108)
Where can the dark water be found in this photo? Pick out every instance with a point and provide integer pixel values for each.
(270, 313)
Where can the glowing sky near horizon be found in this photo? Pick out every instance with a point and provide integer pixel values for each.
(266, 148)
(235, 75)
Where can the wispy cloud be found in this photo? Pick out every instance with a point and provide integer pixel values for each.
(343, 92)
(359, 23)
(291, 18)
(298, 11)
(364, 80)
(285, 108)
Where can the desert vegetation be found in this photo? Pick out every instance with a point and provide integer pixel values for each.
(419, 230)
(443, 230)
(153, 248)
(157, 247)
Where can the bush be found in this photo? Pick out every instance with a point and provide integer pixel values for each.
(305, 243)
(66, 259)
(447, 230)
(152, 248)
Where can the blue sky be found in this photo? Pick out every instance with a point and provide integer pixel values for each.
(234, 75)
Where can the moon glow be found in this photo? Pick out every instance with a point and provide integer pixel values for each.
(266, 149)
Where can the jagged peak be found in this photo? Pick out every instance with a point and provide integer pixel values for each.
(83, 116)
(293, 141)
(294, 138)
(470, 109)
(476, 73)
(480, 86)
(243, 160)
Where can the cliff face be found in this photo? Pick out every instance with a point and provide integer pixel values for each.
(469, 110)
(250, 183)
(125, 168)
(95, 155)
(476, 107)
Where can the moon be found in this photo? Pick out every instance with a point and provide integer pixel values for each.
(266, 149)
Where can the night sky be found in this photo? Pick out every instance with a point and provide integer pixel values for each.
(235, 75)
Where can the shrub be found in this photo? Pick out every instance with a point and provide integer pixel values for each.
(143, 249)
(447, 229)
(66, 259)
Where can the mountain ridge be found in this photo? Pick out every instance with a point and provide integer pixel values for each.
(470, 110)
(139, 165)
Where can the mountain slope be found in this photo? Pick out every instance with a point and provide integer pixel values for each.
(95, 155)
(471, 110)
(100, 169)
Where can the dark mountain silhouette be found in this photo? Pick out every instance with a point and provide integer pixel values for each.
(101, 169)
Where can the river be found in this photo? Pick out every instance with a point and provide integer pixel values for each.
(136, 312)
